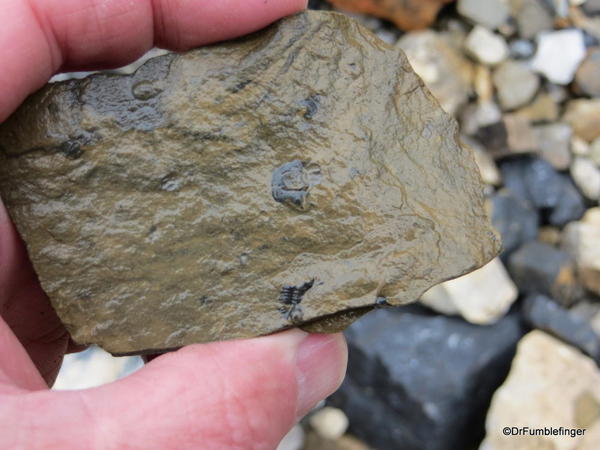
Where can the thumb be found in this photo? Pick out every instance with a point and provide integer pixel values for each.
(243, 394)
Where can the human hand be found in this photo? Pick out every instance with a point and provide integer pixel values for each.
(237, 394)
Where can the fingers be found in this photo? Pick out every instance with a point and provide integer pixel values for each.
(41, 37)
(27, 311)
(229, 395)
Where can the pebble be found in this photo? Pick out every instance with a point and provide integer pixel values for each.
(545, 314)
(488, 13)
(549, 384)
(521, 49)
(480, 297)
(582, 240)
(479, 115)
(486, 164)
(329, 423)
(570, 204)
(532, 17)
(549, 235)
(554, 144)
(515, 219)
(486, 47)
(516, 84)
(539, 268)
(559, 54)
(587, 177)
(445, 71)
(387, 36)
(94, 367)
(588, 74)
(294, 440)
(483, 83)
(520, 135)
(595, 152)
(592, 6)
(579, 147)
(537, 182)
(542, 109)
(584, 116)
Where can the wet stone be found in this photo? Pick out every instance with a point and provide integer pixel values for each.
(289, 178)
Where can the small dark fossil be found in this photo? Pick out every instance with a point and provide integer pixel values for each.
(291, 182)
(290, 298)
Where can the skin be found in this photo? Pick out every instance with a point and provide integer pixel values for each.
(239, 394)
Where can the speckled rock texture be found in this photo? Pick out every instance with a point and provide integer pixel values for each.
(296, 177)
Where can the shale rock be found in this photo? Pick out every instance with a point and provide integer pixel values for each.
(406, 14)
(298, 174)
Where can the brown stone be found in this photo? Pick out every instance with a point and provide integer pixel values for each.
(296, 177)
(406, 14)
(584, 116)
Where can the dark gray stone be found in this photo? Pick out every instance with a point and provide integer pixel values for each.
(570, 207)
(537, 267)
(423, 381)
(545, 314)
(515, 220)
(536, 181)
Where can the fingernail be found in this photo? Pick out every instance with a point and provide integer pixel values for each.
(320, 369)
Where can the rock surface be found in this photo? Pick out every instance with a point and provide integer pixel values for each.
(406, 14)
(241, 189)
(481, 297)
(418, 381)
(550, 385)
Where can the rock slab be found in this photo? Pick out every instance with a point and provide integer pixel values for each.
(241, 189)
